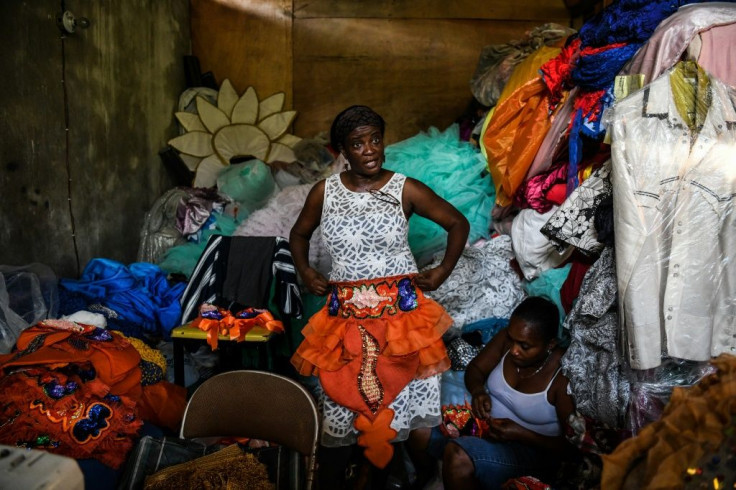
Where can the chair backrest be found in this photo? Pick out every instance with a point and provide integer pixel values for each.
(258, 405)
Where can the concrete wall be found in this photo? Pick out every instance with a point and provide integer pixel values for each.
(123, 76)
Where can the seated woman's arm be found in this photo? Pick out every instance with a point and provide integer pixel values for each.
(478, 370)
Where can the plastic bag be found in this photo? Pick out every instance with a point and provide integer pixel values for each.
(651, 389)
(11, 324)
(250, 183)
(28, 294)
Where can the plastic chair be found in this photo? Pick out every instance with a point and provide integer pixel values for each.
(259, 405)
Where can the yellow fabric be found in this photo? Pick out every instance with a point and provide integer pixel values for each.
(527, 70)
(523, 72)
(148, 353)
(690, 89)
(486, 122)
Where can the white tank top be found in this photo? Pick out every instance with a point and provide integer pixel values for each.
(530, 410)
(366, 234)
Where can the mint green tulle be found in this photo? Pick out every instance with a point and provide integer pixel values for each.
(455, 170)
(182, 259)
(548, 285)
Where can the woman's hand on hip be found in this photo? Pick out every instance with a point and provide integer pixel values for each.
(431, 279)
(315, 282)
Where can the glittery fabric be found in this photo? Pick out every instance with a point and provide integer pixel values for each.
(64, 413)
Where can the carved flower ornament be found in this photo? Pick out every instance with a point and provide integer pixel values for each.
(238, 126)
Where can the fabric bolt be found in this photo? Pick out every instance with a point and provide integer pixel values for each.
(481, 285)
(673, 35)
(573, 222)
(497, 62)
(528, 69)
(716, 51)
(159, 232)
(628, 20)
(570, 289)
(534, 251)
(532, 192)
(554, 144)
(673, 187)
(593, 362)
(194, 209)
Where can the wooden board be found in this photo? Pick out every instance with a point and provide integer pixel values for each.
(415, 73)
(536, 10)
(247, 41)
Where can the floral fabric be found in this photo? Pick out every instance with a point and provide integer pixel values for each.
(572, 223)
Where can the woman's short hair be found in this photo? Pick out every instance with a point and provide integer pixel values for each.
(353, 117)
(541, 313)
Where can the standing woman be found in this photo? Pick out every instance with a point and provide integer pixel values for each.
(377, 344)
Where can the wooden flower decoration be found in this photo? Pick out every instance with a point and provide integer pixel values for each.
(238, 126)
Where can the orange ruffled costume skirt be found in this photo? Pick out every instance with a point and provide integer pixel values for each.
(366, 344)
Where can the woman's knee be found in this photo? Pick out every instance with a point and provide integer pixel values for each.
(457, 462)
(419, 438)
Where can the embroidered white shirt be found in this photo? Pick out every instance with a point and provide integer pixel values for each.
(675, 226)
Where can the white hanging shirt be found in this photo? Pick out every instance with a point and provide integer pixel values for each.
(673, 192)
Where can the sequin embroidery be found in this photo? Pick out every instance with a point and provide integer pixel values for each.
(369, 386)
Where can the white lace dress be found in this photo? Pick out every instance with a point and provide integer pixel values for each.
(366, 235)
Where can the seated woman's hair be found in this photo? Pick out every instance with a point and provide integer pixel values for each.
(353, 117)
(541, 313)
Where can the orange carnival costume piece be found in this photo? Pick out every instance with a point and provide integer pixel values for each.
(366, 344)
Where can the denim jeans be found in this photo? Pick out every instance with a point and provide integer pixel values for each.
(497, 462)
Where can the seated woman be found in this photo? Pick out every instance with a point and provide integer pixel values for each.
(517, 388)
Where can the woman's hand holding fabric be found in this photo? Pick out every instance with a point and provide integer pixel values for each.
(481, 405)
(505, 430)
(315, 282)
